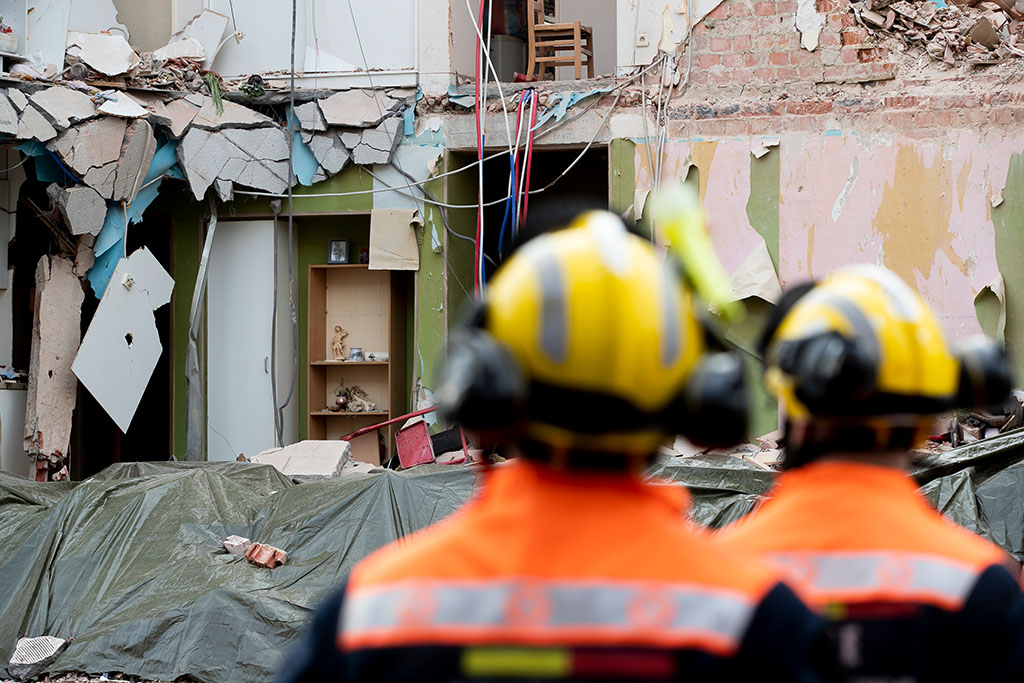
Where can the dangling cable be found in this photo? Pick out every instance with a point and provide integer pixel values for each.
(513, 162)
(529, 160)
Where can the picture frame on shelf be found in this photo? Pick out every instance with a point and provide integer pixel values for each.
(337, 251)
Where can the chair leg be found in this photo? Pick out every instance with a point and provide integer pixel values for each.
(577, 44)
(590, 58)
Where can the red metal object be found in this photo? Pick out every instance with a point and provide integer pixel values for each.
(385, 423)
(413, 445)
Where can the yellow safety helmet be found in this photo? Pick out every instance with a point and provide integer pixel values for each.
(862, 344)
(587, 341)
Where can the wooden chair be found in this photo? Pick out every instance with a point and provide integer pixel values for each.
(547, 40)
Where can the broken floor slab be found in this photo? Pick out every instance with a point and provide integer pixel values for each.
(256, 158)
(307, 460)
(378, 144)
(233, 116)
(356, 108)
(32, 656)
(64, 106)
(92, 145)
(310, 116)
(330, 152)
(84, 210)
(122, 105)
(55, 338)
(107, 53)
(122, 346)
(34, 126)
(207, 30)
(8, 117)
(136, 157)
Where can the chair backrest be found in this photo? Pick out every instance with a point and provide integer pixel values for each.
(542, 10)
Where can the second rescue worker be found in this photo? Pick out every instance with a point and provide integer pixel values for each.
(583, 357)
(861, 366)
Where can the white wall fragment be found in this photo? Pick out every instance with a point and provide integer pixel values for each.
(121, 347)
(809, 23)
(109, 54)
(55, 335)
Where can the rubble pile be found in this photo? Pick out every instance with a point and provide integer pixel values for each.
(974, 33)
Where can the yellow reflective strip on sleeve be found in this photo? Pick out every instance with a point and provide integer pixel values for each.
(516, 662)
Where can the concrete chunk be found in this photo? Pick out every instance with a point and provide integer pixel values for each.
(182, 113)
(310, 117)
(330, 153)
(377, 145)
(33, 655)
(357, 108)
(351, 138)
(123, 106)
(237, 545)
(34, 126)
(64, 106)
(256, 158)
(91, 145)
(136, 157)
(234, 116)
(308, 460)
(84, 210)
(225, 190)
(18, 99)
(187, 48)
(56, 333)
(108, 53)
(8, 117)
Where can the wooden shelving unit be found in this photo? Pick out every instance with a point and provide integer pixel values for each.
(370, 305)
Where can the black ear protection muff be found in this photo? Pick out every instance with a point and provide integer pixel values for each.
(986, 377)
(712, 410)
(482, 385)
(833, 374)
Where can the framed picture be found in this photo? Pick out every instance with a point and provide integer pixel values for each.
(337, 251)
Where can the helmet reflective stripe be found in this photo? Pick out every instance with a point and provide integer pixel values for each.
(553, 312)
(671, 343)
(903, 299)
(611, 239)
(889, 574)
(673, 613)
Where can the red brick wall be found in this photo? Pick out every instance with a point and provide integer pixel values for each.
(754, 42)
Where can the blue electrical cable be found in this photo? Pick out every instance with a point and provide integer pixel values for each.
(509, 206)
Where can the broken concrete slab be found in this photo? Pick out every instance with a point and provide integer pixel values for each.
(256, 158)
(985, 34)
(207, 30)
(310, 117)
(122, 346)
(8, 117)
(185, 48)
(351, 138)
(91, 145)
(85, 255)
(330, 152)
(136, 158)
(233, 116)
(377, 145)
(18, 99)
(64, 106)
(225, 190)
(355, 108)
(307, 461)
(83, 208)
(32, 656)
(56, 332)
(181, 113)
(123, 106)
(107, 53)
(34, 126)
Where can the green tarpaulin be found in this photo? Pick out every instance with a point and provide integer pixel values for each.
(130, 564)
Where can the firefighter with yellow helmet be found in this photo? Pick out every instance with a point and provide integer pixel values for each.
(582, 358)
(861, 367)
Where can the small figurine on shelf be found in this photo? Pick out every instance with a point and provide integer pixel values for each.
(340, 399)
(338, 343)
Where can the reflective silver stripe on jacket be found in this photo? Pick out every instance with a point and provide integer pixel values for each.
(888, 573)
(675, 611)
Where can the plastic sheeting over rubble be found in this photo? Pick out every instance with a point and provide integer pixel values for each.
(130, 563)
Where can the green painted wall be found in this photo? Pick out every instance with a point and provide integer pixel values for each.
(186, 248)
(763, 205)
(424, 358)
(1008, 219)
(461, 190)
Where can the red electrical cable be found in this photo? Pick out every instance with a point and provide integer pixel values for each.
(480, 160)
(529, 159)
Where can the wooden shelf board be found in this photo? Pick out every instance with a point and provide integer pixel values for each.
(334, 266)
(345, 413)
(343, 363)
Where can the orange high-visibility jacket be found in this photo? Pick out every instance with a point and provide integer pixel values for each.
(908, 595)
(556, 575)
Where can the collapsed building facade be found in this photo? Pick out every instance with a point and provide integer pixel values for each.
(170, 196)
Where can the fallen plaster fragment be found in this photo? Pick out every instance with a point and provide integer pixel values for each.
(266, 555)
(330, 153)
(234, 116)
(378, 144)
(237, 545)
(310, 117)
(8, 117)
(34, 126)
(188, 48)
(844, 194)
(64, 106)
(107, 53)
(809, 23)
(762, 147)
(136, 158)
(56, 331)
(225, 190)
(123, 106)
(85, 256)
(122, 346)
(91, 145)
(355, 108)
(207, 29)
(32, 656)
(181, 112)
(18, 99)
(308, 461)
(84, 210)
(256, 158)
